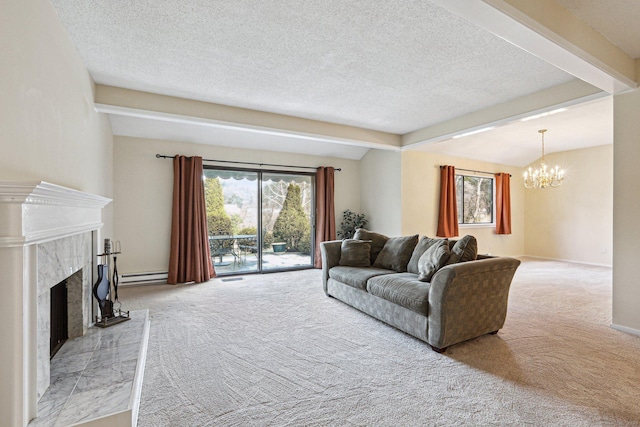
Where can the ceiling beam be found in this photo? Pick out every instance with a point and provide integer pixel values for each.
(561, 96)
(550, 32)
(131, 103)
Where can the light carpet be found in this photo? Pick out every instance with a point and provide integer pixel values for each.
(273, 350)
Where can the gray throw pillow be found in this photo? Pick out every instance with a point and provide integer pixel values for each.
(377, 241)
(465, 249)
(421, 247)
(432, 260)
(355, 253)
(396, 253)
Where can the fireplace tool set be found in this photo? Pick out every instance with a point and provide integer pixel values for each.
(106, 291)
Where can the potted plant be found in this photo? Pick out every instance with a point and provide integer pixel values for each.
(350, 222)
(279, 247)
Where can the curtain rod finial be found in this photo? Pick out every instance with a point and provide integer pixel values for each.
(158, 156)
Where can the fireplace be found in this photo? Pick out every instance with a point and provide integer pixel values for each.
(68, 259)
(58, 315)
(66, 317)
(48, 234)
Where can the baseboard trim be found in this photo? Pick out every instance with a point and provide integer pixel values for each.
(626, 329)
(141, 278)
(572, 261)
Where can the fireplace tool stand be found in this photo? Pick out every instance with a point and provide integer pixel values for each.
(105, 291)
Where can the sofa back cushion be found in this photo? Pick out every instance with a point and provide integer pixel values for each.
(424, 244)
(463, 250)
(377, 241)
(355, 253)
(432, 260)
(396, 253)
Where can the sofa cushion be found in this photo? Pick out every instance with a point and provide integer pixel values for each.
(355, 253)
(377, 241)
(420, 248)
(396, 253)
(463, 250)
(433, 259)
(403, 289)
(355, 276)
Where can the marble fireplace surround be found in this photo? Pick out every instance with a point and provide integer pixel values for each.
(47, 233)
(66, 258)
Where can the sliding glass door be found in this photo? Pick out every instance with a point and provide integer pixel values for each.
(259, 221)
(287, 226)
(232, 202)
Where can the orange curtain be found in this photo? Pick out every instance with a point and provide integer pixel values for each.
(503, 203)
(325, 211)
(448, 214)
(190, 256)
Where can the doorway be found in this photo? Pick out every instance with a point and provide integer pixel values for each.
(259, 221)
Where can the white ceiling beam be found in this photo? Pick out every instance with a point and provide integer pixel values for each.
(550, 32)
(564, 95)
(115, 110)
(131, 103)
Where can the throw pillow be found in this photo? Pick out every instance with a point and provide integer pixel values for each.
(465, 249)
(432, 260)
(424, 244)
(396, 253)
(355, 253)
(377, 241)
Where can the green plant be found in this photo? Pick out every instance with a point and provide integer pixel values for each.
(350, 222)
(218, 222)
(304, 245)
(267, 239)
(292, 223)
(250, 244)
(248, 230)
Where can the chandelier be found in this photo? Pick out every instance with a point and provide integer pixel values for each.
(543, 177)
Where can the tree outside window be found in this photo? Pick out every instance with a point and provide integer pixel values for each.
(474, 197)
(292, 224)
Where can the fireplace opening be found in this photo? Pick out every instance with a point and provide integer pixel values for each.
(59, 317)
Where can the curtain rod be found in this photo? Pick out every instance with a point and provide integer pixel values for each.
(474, 171)
(160, 156)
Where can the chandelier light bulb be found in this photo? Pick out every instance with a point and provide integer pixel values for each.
(541, 177)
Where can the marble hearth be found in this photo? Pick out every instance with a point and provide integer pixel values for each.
(69, 257)
(47, 233)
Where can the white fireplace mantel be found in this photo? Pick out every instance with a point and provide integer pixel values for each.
(36, 212)
(33, 215)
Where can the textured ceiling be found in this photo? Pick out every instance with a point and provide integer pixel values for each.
(389, 66)
(617, 20)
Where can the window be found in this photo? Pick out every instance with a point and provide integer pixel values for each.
(474, 197)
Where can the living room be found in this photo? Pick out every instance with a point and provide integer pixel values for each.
(61, 126)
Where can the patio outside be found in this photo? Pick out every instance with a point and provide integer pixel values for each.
(249, 263)
(258, 221)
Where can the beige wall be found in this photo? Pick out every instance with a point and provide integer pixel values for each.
(421, 193)
(50, 132)
(143, 187)
(626, 208)
(574, 221)
(380, 181)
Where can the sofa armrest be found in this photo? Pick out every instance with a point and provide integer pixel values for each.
(330, 252)
(469, 299)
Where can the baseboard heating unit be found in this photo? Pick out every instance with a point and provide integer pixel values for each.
(140, 278)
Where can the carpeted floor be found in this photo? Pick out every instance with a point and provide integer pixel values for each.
(273, 350)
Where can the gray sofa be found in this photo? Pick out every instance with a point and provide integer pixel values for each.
(459, 302)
